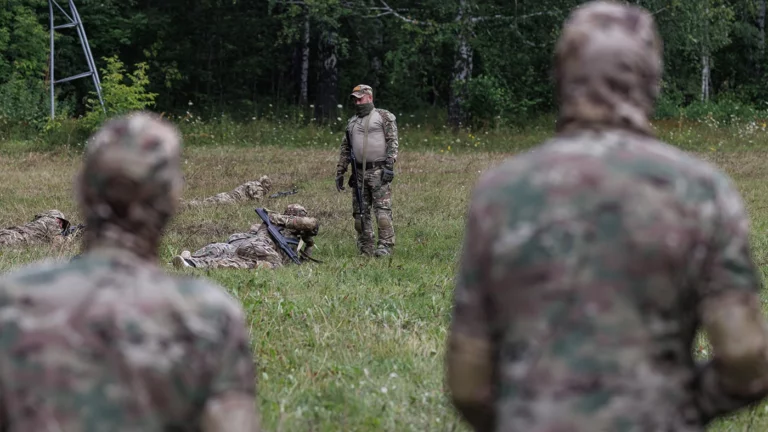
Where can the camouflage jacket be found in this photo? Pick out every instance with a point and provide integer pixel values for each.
(390, 135)
(254, 190)
(110, 342)
(298, 228)
(588, 266)
(44, 228)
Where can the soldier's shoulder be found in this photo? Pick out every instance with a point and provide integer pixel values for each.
(45, 272)
(613, 154)
(47, 279)
(206, 297)
(628, 150)
(388, 115)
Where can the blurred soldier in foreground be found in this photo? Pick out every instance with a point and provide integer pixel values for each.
(256, 248)
(109, 341)
(590, 262)
(251, 191)
(45, 228)
(371, 139)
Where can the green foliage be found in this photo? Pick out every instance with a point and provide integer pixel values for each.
(492, 103)
(24, 101)
(231, 57)
(23, 40)
(121, 93)
(669, 103)
(725, 110)
(488, 100)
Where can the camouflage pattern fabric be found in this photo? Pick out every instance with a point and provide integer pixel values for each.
(376, 195)
(251, 191)
(390, 136)
(361, 90)
(45, 228)
(256, 249)
(590, 263)
(109, 341)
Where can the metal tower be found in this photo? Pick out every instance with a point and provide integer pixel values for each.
(73, 20)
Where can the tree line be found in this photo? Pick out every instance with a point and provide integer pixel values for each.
(476, 61)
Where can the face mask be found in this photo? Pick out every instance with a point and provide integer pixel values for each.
(364, 109)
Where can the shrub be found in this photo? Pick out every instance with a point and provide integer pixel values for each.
(121, 93)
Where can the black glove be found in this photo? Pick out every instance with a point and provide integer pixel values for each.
(339, 182)
(387, 174)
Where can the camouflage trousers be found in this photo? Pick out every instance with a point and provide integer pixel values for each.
(254, 252)
(378, 195)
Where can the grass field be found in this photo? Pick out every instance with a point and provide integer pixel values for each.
(354, 343)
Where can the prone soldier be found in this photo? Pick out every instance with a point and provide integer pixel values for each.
(589, 264)
(256, 248)
(46, 228)
(254, 190)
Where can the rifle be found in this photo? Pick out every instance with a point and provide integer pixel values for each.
(284, 193)
(72, 229)
(277, 237)
(358, 194)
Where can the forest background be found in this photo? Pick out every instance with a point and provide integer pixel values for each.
(461, 64)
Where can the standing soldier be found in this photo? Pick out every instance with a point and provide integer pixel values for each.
(589, 263)
(371, 136)
(109, 341)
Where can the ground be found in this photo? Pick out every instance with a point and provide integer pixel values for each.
(350, 344)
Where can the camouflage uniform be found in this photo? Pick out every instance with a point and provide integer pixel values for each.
(46, 227)
(251, 191)
(375, 186)
(256, 248)
(109, 341)
(590, 262)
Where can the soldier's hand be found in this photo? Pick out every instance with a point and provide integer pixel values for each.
(387, 174)
(339, 182)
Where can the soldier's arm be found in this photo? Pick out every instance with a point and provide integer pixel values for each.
(344, 155)
(730, 312)
(232, 404)
(390, 135)
(470, 360)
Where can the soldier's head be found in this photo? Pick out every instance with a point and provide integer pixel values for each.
(362, 94)
(55, 214)
(295, 210)
(255, 189)
(608, 66)
(130, 183)
(265, 182)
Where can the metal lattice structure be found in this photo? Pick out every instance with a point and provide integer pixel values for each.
(73, 20)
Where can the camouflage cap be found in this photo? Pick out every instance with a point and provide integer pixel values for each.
(54, 214)
(51, 213)
(295, 210)
(608, 66)
(132, 171)
(362, 90)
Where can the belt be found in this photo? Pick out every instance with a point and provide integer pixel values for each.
(371, 165)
